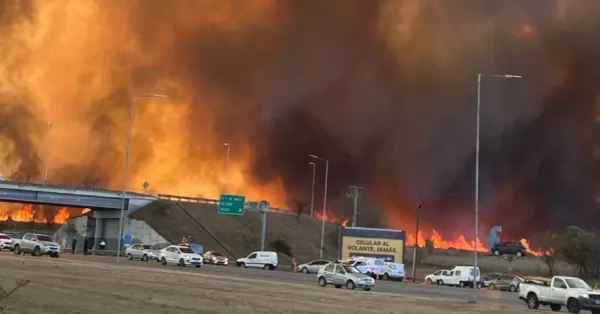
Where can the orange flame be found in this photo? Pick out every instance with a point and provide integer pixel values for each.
(27, 213)
(331, 217)
(458, 243)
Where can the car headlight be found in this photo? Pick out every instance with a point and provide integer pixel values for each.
(187, 258)
(226, 260)
(584, 295)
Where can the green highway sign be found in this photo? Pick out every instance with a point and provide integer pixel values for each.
(231, 204)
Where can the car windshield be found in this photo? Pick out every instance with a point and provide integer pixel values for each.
(216, 254)
(149, 247)
(186, 250)
(577, 283)
(44, 238)
(351, 269)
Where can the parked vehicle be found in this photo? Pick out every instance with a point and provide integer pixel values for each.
(181, 256)
(5, 242)
(505, 282)
(215, 258)
(261, 259)
(488, 279)
(340, 275)
(436, 277)
(36, 245)
(560, 291)
(376, 266)
(509, 248)
(461, 276)
(312, 267)
(393, 271)
(142, 252)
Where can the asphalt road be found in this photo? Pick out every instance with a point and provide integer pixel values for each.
(405, 288)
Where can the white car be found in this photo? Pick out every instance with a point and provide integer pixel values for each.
(376, 266)
(261, 259)
(5, 242)
(560, 291)
(312, 267)
(393, 271)
(180, 256)
(436, 277)
(461, 276)
(142, 252)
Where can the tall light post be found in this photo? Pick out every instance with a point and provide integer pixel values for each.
(324, 203)
(312, 196)
(228, 147)
(479, 77)
(48, 151)
(126, 166)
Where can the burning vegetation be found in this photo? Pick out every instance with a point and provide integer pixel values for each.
(373, 86)
(38, 214)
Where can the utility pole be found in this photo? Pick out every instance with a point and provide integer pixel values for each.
(414, 263)
(264, 209)
(353, 193)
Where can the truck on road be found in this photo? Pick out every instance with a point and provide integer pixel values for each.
(36, 245)
(560, 291)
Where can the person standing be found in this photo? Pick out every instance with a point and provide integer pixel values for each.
(73, 245)
(86, 243)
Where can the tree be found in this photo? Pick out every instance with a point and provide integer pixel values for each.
(579, 247)
(547, 243)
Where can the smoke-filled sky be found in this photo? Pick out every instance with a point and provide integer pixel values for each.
(384, 89)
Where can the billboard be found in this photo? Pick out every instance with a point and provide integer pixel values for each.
(387, 244)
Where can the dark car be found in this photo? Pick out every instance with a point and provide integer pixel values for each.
(509, 248)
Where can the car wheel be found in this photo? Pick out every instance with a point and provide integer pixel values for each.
(129, 257)
(163, 261)
(573, 306)
(461, 284)
(304, 270)
(37, 251)
(440, 282)
(558, 307)
(322, 282)
(350, 285)
(266, 267)
(17, 250)
(533, 302)
(385, 277)
(181, 263)
(519, 254)
(145, 258)
(244, 265)
(492, 286)
(512, 289)
(497, 253)
(479, 285)
(429, 281)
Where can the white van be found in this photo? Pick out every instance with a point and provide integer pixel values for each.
(393, 271)
(376, 266)
(461, 276)
(260, 259)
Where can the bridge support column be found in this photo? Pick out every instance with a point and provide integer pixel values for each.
(98, 233)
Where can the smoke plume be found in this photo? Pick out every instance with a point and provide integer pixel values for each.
(385, 90)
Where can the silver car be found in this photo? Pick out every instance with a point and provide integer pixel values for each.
(140, 251)
(340, 275)
(312, 267)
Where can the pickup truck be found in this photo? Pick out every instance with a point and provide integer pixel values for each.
(560, 291)
(36, 245)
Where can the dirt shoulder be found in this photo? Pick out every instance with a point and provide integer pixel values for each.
(62, 286)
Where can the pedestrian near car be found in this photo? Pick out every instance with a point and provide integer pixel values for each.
(86, 243)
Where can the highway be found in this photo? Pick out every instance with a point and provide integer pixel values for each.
(408, 288)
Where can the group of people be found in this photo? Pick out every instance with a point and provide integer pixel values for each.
(87, 244)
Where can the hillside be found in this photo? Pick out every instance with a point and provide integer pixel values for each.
(237, 236)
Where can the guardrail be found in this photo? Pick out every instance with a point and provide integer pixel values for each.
(60, 185)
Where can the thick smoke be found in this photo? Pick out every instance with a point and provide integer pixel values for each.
(385, 90)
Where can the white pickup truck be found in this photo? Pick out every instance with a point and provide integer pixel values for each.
(36, 245)
(560, 291)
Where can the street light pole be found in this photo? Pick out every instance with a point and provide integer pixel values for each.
(312, 197)
(414, 264)
(226, 168)
(324, 203)
(126, 166)
(48, 151)
(479, 77)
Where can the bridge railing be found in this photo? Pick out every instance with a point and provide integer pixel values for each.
(201, 200)
(69, 186)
